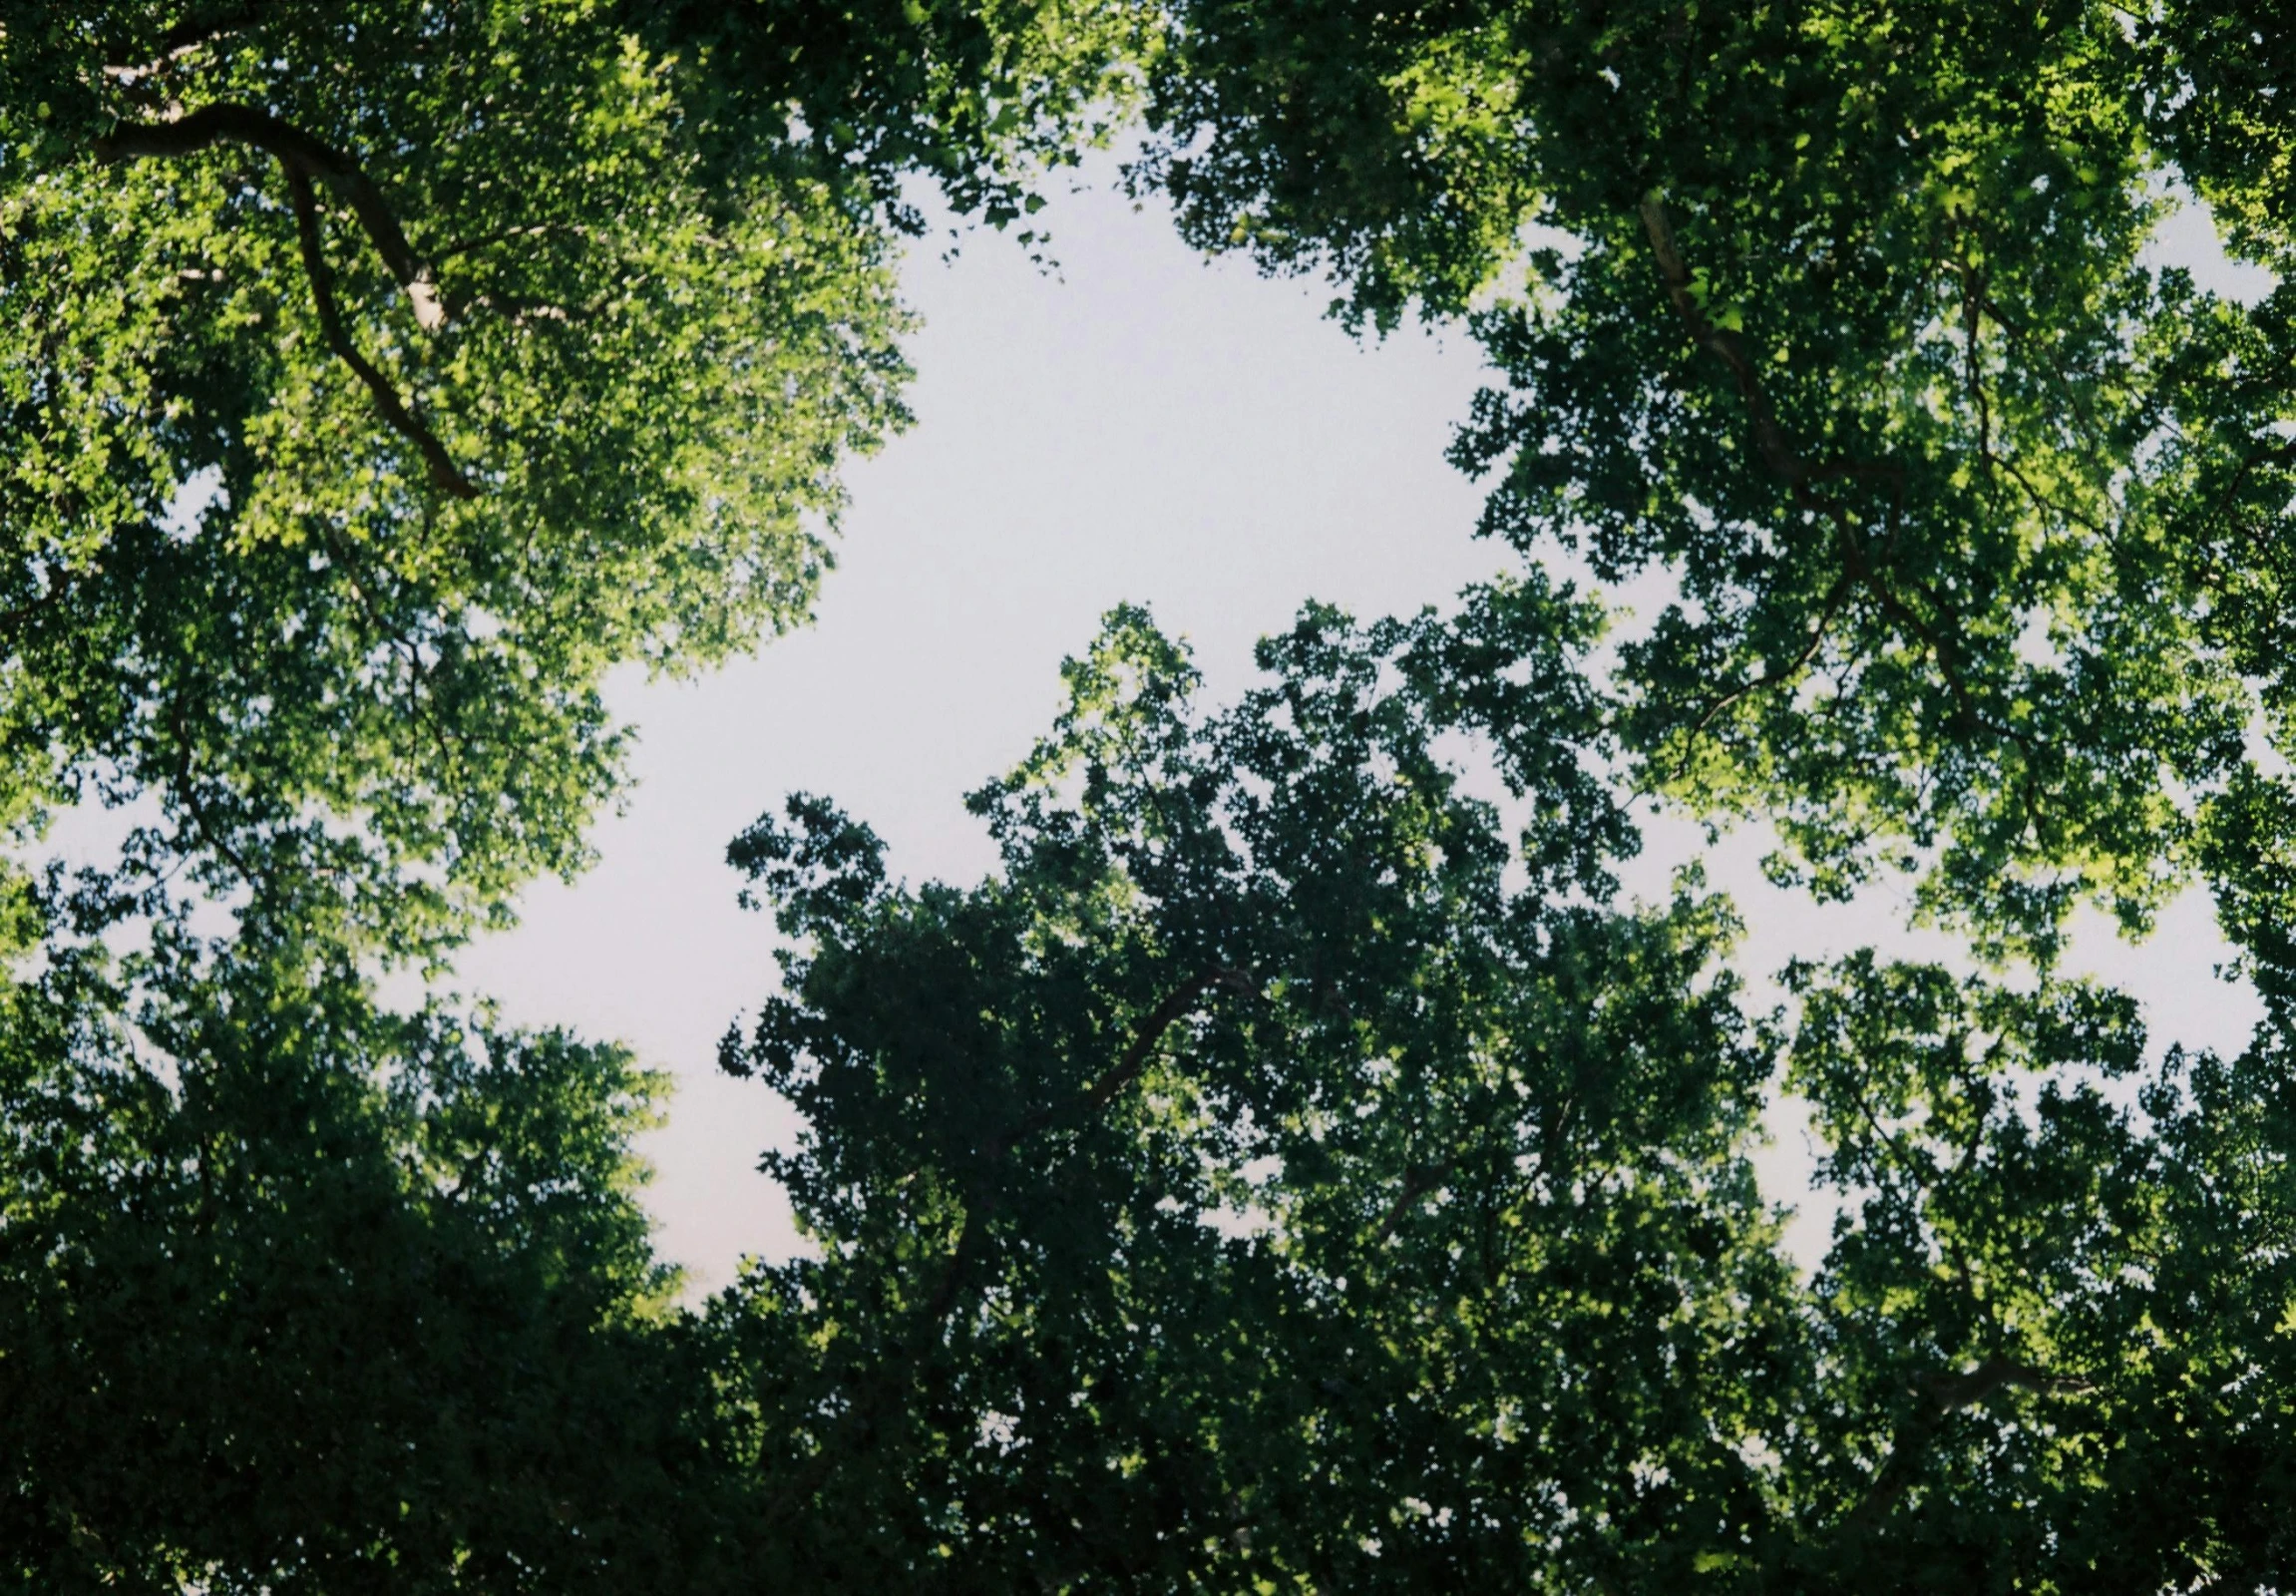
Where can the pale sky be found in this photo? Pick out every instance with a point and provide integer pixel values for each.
(1145, 426)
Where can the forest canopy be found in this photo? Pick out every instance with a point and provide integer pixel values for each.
(1296, 1166)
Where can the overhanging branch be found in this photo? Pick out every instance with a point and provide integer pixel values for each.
(1770, 441)
(1160, 1020)
(304, 159)
(184, 37)
(1779, 456)
(1947, 1394)
(296, 151)
(387, 402)
(1128, 1067)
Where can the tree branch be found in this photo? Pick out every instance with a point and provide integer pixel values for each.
(1776, 449)
(388, 405)
(11, 619)
(953, 1278)
(1786, 463)
(1948, 1393)
(178, 722)
(1160, 1020)
(1790, 671)
(296, 151)
(1122, 1073)
(1973, 1386)
(1770, 441)
(184, 37)
(1418, 1180)
(304, 158)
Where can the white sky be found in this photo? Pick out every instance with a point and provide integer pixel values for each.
(1145, 426)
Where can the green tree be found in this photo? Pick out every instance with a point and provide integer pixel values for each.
(1270, 1174)
(1841, 317)
(2048, 1334)
(374, 378)
(300, 1295)
(377, 376)
(1278, 1177)
(1293, 1168)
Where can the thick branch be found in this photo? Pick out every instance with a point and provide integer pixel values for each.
(304, 158)
(387, 402)
(1770, 442)
(1948, 1393)
(1418, 1180)
(298, 151)
(1160, 1020)
(184, 37)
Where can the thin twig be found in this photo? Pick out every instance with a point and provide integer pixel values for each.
(1834, 599)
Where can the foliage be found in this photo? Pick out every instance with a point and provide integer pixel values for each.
(1271, 1173)
(1841, 317)
(300, 1295)
(1272, 1180)
(982, 98)
(2035, 1208)
(377, 376)
(1295, 1167)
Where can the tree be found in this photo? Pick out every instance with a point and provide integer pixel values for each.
(374, 378)
(377, 376)
(1273, 1178)
(1841, 317)
(1295, 1168)
(300, 1295)
(1252, 1155)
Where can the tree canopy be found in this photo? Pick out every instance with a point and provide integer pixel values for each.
(1842, 317)
(1281, 1176)
(378, 375)
(298, 1295)
(1296, 1166)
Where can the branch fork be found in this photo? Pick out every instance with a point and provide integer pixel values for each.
(306, 161)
